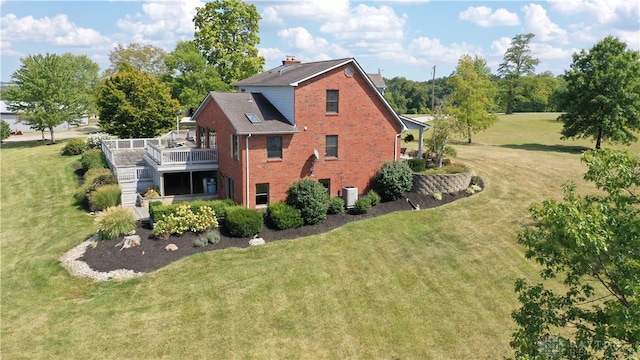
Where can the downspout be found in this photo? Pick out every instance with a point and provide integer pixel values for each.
(395, 146)
(247, 151)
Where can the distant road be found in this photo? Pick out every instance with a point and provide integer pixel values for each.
(80, 131)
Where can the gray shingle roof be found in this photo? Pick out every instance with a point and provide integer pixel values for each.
(377, 80)
(236, 105)
(291, 74)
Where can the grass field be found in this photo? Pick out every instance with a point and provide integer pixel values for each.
(430, 284)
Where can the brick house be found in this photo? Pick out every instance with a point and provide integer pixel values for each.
(324, 120)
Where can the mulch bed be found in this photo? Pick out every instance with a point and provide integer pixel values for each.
(151, 254)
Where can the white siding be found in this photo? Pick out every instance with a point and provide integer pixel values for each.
(280, 96)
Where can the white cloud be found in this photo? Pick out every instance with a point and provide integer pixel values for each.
(270, 17)
(302, 39)
(312, 10)
(549, 52)
(603, 11)
(500, 46)
(366, 22)
(537, 22)
(436, 52)
(484, 17)
(53, 31)
(161, 21)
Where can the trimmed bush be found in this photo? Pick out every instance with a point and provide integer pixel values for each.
(93, 179)
(336, 206)
(74, 147)
(93, 158)
(157, 209)
(210, 237)
(243, 222)
(362, 205)
(393, 179)
(417, 165)
(282, 216)
(374, 197)
(409, 138)
(114, 222)
(311, 198)
(104, 197)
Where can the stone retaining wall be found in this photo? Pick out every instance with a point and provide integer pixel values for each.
(443, 183)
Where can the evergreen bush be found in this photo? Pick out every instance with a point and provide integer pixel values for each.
(311, 198)
(243, 222)
(374, 197)
(74, 146)
(393, 179)
(336, 206)
(283, 216)
(114, 222)
(93, 158)
(104, 197)
(417, 165)
(362, 205)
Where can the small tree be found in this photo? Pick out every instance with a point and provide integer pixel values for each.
(5, 130)
(592, 244)
(602, 98)
(443, 126)
(311, 198)
(393, 179)
(518, 62)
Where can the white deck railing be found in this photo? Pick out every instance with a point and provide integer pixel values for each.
(133, 174)
(181, 156)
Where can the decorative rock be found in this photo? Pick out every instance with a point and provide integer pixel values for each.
(132, 232)
(129, 242)
(257, 240)
(171, 247)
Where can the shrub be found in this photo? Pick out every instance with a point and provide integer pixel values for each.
(210, 237)
(151, 192)
(409, 138)
(5, 130)
(336, 206)
(157, 209)
(93, 179)
(154, 206)
(393, 179)
(311, 198)
(475, 187)
(437, 196)
(417, 165)
(185, 218)
(470, 191)
(362, 205)
(114, 222)
(94, 141)
(283, 216)
(74, 147)
(93, 158)
(104, 197)
(243, 222)
(374, 197)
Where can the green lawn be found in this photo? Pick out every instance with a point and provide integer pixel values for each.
(439, 285)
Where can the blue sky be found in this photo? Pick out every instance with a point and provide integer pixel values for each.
(399, 38)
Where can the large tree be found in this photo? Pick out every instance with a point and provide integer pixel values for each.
(134, 104)
(518, 62)
(602, 96)
(472, 97)
(589, 248)
(51, 89)
(147, 58)
(227, 35)
(190, 77)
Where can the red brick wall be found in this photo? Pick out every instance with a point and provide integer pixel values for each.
(213, 118)
(366, 132)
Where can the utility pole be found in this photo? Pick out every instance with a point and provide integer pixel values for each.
(433, 91)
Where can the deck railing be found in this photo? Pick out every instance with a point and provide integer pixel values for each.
(133, 174)
(108, 146)
(179, 156)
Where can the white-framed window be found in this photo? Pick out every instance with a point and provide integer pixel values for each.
(332, 101)
(262, 194)
(274, 147)
(331, 147)
(235, 147)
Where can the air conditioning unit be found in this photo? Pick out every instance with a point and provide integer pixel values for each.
(349, 195)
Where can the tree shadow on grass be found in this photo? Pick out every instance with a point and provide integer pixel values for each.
(571, 149)
(25, 144)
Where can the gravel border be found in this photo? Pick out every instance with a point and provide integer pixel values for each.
(81, 269)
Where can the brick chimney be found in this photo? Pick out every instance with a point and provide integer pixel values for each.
(290, 59)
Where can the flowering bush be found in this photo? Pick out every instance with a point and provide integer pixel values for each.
(184, 219)
(94, 141)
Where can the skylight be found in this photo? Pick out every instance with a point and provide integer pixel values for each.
(253, 118)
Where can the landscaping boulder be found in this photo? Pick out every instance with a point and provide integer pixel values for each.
(129, 241)
(171, 247)
(257, 240)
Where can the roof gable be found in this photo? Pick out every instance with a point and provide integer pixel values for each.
(236, 106)
(292, 74)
